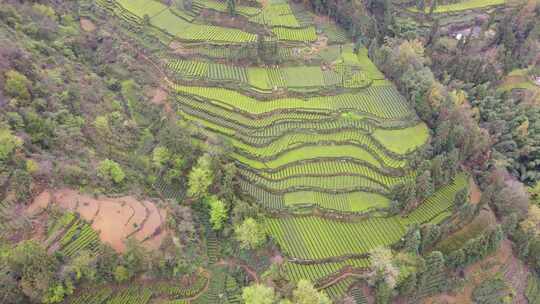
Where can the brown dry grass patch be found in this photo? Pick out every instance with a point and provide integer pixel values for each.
(87, 25)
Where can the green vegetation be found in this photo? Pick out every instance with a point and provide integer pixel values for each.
(250, 234)
(165, 19)
(348, 202)
(286, 34)
(462, 6)
(519, 79)
(17, 85)
(293, 234)
(218, 213)
(365, 101)
(457, 240)
(201, 177)
(493, 291)
(142, 292)
(532, 291)
(285, 167)
(305, 293)
(77, 236)
(403, 140)
(110, 170)
(258, 294)
(8, 144)
(263, 80)
(316, 272)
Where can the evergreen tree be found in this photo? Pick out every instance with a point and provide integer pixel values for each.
(201, 177)
(432, 8)
(250, 234)
(438, 172)
(412, 240)
(430, 234)
(424, 186)
(258, 294)
(383, 293)
(231, 7)
(187, 5)
(432, 279)
(420, 5)
(456, 259)
(461, 198)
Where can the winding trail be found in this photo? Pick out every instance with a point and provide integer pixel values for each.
(234, 262)
(348, 272)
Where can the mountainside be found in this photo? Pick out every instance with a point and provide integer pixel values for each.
(242, 151)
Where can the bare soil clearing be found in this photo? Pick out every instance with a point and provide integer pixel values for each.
(87, 25)
(475, 193)
(40, 203)
(159, 96)
(115, 219)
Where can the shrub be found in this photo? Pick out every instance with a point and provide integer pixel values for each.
(110, 170)
(201, 177)
(250, 234)
(8, 144)
(17, 85)
(121, 274)
(218, 213)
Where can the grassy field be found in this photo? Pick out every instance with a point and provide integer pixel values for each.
(519, 79)
(481, 223)
(403, 141)
(349, 202)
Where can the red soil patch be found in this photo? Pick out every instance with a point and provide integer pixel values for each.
(475, 193)
(40, 203)
(158, 96)
(87, 25)
(115, 219)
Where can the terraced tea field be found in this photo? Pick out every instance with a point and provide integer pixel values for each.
(332, 138)
(462, 6)
(141, 292)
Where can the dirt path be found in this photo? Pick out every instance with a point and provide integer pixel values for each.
(234, 262)
(475, 193)
(343, 275)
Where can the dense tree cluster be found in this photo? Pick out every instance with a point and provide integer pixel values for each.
(304, 293)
